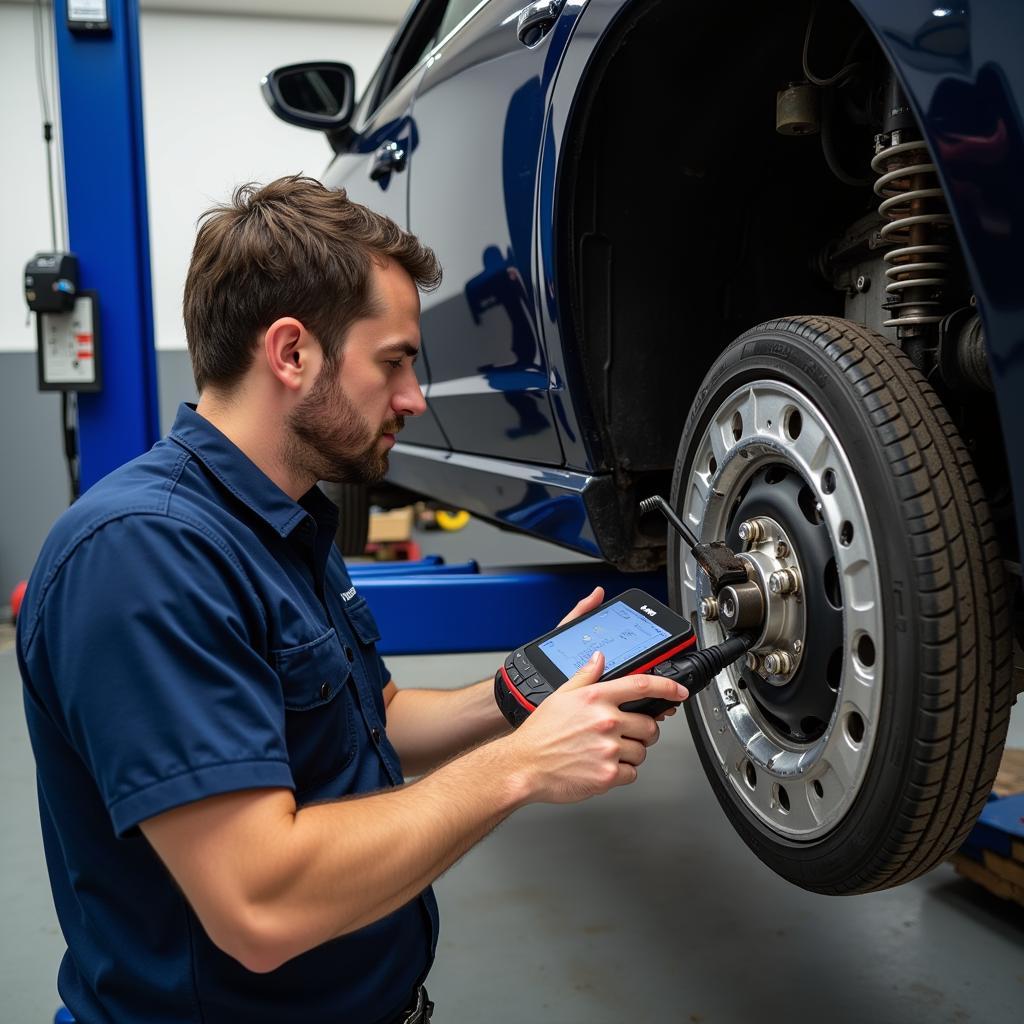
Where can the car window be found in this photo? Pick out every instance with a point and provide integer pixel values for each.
(454, 13)
(419, 34)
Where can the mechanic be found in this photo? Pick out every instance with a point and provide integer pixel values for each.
(220, 750)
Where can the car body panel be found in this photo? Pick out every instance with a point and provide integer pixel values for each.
(481, 96)
(544, 500)
(391, 122)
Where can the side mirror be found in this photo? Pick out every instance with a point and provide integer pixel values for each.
(318, 95)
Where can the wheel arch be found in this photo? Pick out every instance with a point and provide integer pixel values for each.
(671, 185)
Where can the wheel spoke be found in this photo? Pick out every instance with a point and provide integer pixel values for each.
(768, 413)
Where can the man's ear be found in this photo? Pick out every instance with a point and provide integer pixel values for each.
(292, 353)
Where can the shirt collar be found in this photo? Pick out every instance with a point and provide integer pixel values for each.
(245, 480)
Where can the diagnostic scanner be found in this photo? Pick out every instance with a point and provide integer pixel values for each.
(635, 632)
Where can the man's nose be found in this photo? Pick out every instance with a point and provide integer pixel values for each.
(410, 401)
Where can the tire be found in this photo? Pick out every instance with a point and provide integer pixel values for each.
(868, 764)
(353, 501)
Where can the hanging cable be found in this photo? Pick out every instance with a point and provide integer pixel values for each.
(69, 419)
(840, 76)
(43, 82)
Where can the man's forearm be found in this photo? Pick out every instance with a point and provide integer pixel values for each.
(427, 727)
(305, 877)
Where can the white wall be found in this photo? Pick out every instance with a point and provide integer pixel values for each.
(207, 129)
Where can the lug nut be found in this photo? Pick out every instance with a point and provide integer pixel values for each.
(751, 531)
(753, 662)
(708, 609)
(778, 663)
(784, 581)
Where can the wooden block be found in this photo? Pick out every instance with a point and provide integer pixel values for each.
(982, 876)
(1018, 852)
(1011, 871)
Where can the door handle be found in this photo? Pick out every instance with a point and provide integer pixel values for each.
(390, 157)
(536, 19)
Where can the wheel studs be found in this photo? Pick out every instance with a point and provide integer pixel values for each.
(708, 609)
(784, 581)
(778, 663)
(752, 530)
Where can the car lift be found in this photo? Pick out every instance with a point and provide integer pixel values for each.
(417, 603)
(108, 226)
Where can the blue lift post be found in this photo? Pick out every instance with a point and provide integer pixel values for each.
(105, 184)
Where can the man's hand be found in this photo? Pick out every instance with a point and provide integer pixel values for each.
(579, 742)
(594, 600)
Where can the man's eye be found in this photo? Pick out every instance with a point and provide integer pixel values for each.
(395, 364)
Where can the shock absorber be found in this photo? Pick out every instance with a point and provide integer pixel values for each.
(919, 221)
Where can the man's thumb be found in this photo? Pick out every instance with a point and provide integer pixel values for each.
(590, 673)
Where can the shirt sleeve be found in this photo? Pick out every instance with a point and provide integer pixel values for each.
(156, 642)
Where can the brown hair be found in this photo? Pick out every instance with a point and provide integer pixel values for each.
(290, 248)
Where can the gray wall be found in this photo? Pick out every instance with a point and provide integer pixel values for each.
(33, 474)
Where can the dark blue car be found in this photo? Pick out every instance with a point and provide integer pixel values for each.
(764, 259)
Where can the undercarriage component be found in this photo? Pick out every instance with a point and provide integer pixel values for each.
(918, 226)
(796, 110)
(856, 744)
(963, 360)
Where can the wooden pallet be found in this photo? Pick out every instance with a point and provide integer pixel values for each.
(993, 855)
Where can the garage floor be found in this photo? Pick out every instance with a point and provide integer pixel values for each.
(641, 906)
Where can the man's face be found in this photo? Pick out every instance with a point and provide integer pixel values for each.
(343, 429)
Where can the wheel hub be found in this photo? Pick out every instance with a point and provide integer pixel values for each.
(789, 558)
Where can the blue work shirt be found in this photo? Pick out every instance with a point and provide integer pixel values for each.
(190, 630)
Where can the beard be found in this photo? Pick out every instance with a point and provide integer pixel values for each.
(329, 438)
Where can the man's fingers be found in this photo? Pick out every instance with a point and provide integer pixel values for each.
(627, 774)
(639, 727)
(632, 752)
(590, 673)
(587, 604)
(639, 687)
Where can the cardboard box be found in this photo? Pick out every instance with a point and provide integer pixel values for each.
(391, 527)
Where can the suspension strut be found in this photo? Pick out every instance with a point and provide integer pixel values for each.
(919, 221)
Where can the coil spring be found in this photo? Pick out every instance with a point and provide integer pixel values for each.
(915, 206)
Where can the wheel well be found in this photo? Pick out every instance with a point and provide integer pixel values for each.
(680, 187)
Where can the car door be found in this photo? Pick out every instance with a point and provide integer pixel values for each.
(377, 151)
(479, 114)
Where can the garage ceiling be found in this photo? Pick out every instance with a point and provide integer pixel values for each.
(380, 11)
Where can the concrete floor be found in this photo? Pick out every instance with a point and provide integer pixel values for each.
(641, 906)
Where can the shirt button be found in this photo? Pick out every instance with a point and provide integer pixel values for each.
(325, 691)
(348, 653)
(375, 733)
